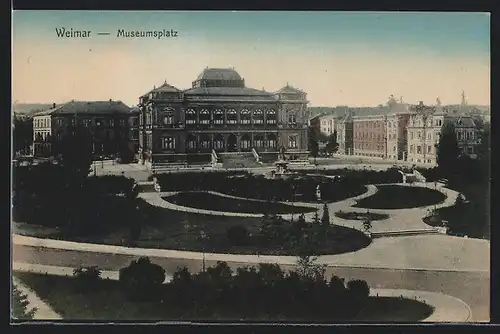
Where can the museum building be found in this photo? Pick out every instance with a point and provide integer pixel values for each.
(219, 116)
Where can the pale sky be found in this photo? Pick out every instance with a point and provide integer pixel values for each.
(355, 59)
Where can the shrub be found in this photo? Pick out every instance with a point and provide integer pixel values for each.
(358, 290)
(142, 278)
(87, 277)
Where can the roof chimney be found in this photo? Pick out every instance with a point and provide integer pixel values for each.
(110, 100)
(53, 105)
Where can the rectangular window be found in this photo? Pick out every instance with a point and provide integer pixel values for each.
(86, 123)
(122, 123)
(218, 121)
(429, 136)
(190, 121)
(419, 134)
(168, 143)
(204, 121)
(244, 121)
(412, 148)
(459, 136)
(419, 149)
(429, 149)
(292, 142)
(111, 122)
(411, 134)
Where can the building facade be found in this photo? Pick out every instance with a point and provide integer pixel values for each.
(397, 135)
(327, 124)
(424, 131)
(369, 136)
(345, 130)
(220, 114)
(106, 123)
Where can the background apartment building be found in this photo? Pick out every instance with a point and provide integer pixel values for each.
(345, 130)
(424, 131)
(327, 124)
(397, 136)
(370, 136)
(106, 123)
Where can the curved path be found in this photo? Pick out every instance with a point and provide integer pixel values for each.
(446, 308)
(399, 219)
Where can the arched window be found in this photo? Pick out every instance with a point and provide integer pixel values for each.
(204, 116)
(190, 116)
(245, 116)
(232, 116)
(218, 116)
(245, 142)
(168, 116)
(205, 142)
(191, 143)
(271, 116)
(258, 116)
(218, 143)
(258, 141)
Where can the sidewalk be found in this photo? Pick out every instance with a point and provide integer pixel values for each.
(446, 308)
(43, 311)
(422, 252)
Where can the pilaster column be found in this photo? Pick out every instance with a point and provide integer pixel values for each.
(238, 142)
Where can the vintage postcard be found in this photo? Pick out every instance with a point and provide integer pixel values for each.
(304, 167)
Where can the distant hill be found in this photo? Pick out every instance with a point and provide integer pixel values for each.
(29, 109)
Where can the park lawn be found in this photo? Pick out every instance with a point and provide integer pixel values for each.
(107, 302)
(361, 216)
(170, 229)
(393, 197)
(471, 219)
(207, 201)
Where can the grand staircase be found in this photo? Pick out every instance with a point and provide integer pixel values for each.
(238, 160)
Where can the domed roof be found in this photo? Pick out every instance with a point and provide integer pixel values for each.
(289, 90)
(219, 74)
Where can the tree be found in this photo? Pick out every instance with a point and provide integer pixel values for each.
(142, 278)
(312, 141)
(332, 146)
(447, 149)
(125, 154)
(22, 134)
(76, 153)
(358, 290)
(20, 305)
(325, 219)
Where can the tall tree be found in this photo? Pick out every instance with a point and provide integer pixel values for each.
(325, 219)
(312, 141)
(332, 146)
(447, 150)
(22, 134)
(76, 152)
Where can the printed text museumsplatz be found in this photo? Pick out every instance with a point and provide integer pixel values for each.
(159, 34)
